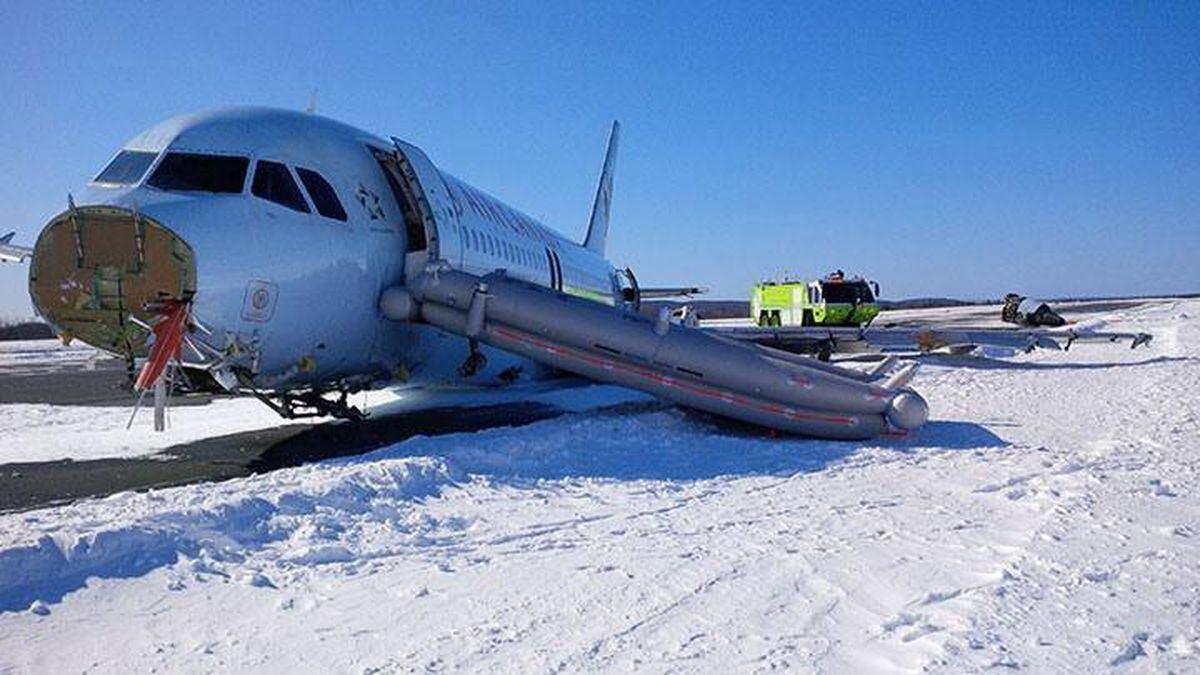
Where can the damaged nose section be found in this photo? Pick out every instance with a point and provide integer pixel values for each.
(94, 267)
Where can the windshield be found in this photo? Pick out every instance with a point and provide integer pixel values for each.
(200, 173)
(849, 294)
(126, 168)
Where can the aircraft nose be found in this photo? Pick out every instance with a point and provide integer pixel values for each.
(95, 266)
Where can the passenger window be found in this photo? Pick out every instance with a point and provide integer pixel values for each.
(188, 172)
(273, 182)
(126, 168)
(323, 195)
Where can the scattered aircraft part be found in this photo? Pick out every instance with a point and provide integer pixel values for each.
(10, 252)
(688, 366)
(671, 292)
(915, 339)
(1025, 311)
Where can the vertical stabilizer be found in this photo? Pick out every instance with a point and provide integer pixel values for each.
(597, 233)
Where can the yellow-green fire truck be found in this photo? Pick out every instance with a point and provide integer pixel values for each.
(831, 301)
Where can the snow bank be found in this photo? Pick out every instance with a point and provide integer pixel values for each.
(131, 534)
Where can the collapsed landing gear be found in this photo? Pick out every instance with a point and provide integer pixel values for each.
(312, 404)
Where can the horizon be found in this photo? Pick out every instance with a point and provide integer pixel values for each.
(958, 152)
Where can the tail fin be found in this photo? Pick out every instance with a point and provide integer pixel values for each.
(597, 234)
(7, 238)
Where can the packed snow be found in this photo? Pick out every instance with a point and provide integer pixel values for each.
(1047, 518)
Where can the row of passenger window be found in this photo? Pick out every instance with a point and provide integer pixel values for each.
(224, 174)
(492, 245)
(495, 246)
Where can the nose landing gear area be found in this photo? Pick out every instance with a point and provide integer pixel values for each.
(95, 266)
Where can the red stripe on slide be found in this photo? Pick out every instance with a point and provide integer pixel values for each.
(708, 392)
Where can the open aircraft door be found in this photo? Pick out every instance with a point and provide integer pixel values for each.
(426, 205)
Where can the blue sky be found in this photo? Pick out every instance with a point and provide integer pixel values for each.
(955, 149)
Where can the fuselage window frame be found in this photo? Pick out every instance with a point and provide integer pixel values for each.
(129, 167)
(285, 192)
(178, 165)
(321, 193)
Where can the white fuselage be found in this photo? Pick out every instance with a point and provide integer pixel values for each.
(302, 289)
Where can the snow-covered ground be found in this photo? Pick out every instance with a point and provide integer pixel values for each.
(1048, 519)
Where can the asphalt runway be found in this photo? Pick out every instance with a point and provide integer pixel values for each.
(104, 383)
(32, 485)
(27, 485)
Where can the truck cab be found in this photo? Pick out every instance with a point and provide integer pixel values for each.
(832, 300)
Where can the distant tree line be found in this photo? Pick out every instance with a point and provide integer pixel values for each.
(24, 330)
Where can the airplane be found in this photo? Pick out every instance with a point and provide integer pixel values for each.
(10, 252)
(296, 258)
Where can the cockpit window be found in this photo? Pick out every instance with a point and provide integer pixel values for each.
(274, 183)
(847, 293)
(126, 168)
(322, 194)
(187, 172)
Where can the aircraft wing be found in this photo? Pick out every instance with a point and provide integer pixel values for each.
(917, 339)
(10, 252)
(671, 292)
